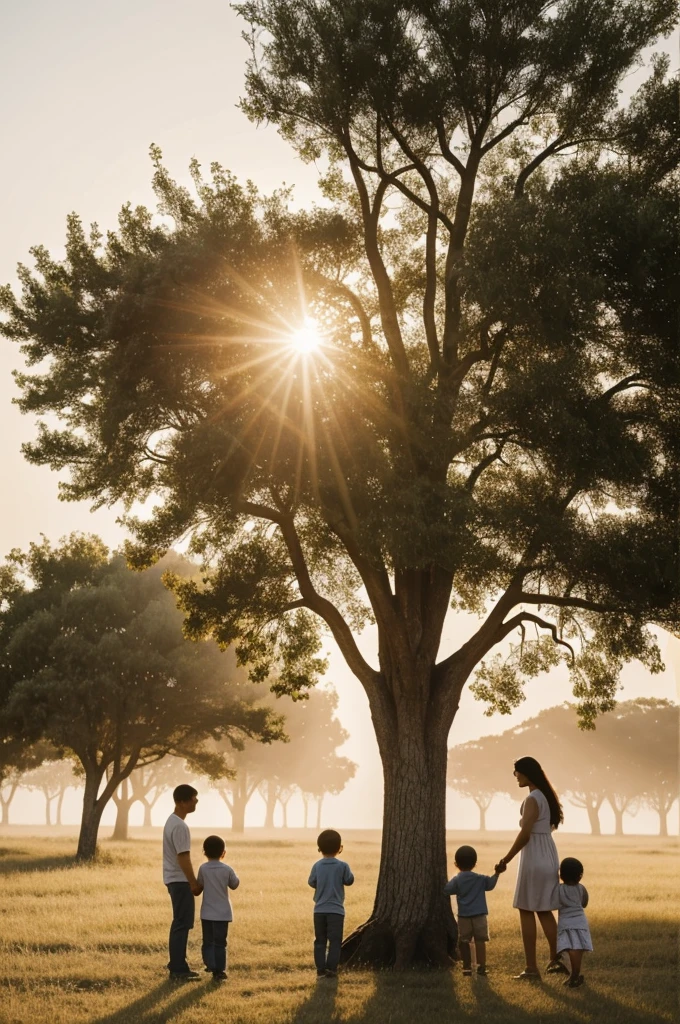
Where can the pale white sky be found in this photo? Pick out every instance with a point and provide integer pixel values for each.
(84, 89)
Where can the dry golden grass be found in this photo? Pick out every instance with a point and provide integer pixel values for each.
(88, 944)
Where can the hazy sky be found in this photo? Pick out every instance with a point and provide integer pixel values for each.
(84, 89)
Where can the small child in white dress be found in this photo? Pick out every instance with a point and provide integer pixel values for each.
(573, 933)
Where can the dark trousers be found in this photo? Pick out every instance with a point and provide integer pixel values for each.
(214, 947)
(183, 904)
(327, 933)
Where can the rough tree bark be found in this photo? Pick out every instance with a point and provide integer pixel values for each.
(410, 924)
(94, 802)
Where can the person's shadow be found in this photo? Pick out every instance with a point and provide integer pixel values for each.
(446, 998)
(164, 1003)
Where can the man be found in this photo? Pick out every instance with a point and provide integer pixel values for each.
(178, 875)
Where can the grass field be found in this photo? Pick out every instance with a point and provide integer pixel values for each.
(88, 944)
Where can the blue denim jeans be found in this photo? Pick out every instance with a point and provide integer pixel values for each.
(327, 933)
(214, 947)
(183, 905)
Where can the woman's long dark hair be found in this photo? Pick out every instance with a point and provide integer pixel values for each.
(530, 767)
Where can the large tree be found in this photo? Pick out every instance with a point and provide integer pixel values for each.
(490, 422)
(93, 660)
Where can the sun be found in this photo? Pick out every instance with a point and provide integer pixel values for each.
(307, 338)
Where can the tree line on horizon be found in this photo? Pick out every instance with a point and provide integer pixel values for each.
(102, 690)
(629, 761)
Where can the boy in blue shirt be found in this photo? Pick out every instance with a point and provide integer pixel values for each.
(470, 890)
(328, 878)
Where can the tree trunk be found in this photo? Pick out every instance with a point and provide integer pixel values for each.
(147, 813)
(594, 819)
(305, 804)
(481, 807)
(5, 802)
(663, 821)
(239, 802)
(319, 805)
(284, 808)
(48, 805)
(123, 804)
(411, 923)
(60, 801)
(618, 819)
(92, 813)
(272, 797)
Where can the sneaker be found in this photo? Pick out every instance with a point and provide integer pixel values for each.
(481, 970)
(320, 975)
(219, 975)
(184, 975)
(331, 974)
(467, 971)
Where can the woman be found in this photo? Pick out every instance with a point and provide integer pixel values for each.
(538, 865)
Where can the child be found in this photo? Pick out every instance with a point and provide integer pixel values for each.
(328, 878)
(573, 933)
(214, 881)
(469, 889)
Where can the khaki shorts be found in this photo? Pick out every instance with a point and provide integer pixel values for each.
(473, 928)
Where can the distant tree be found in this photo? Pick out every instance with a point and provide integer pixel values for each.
(52, 778)
(630, 758)
(491, 422)
(308, 762)
(320, 769)
(146, 785)
(16, 758)
(93, 660)
(476, 770)
(657, 750)
(575, 760)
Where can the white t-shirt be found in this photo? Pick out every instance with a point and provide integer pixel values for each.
(217, 879)
(176, 839)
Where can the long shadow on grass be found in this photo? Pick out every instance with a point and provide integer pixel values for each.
(163, 1003)
(439, 996)
(14, 865)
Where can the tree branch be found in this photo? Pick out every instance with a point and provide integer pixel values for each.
(565, 602)
(324, 608)
(522, 617)
(446, 150)
(388, 312)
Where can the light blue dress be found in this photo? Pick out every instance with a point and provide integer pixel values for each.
(539, 863)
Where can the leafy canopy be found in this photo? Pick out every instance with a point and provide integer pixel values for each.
(92, 659)
(491, 418)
